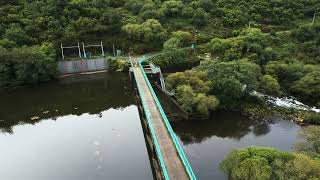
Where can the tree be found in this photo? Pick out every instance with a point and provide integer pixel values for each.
(111, 17)
(235, 17)
(184, 36)
(269, 85)
(310, 143)
(195, 102)
(233, 80)
(28, 65)
(196, 79)
(206, 103)
(192, 89)
(134, 31)
(200, 17)
(149, 11)
(308, 87)
(307, 32)
(187, 12)
(269, 163)
(172, 8)
(249, 43)
(176, 59)
(229, 91)
(134, 5)
(207, 5)
(247, 73)
(17, 35)
(172, 43)
(153, 30)
(253, 168)
(178, 39)
(150, 31)
(286, 74)
(84, 25)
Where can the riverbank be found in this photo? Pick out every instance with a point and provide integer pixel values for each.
(301, 117)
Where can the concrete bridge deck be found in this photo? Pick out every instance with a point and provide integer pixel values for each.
(175, 164)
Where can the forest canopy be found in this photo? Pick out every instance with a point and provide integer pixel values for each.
(129, 24)
(255, 45)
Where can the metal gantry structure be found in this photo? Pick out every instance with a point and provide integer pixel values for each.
(97, 45)
(70, 47)
(83, 49)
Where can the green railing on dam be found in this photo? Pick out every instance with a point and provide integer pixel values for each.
(163, 167)
(167, 123)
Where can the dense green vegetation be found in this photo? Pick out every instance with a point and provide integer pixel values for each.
(26, 65)
(192, 91)
(268, 163)
(254, 45)
(176, 59)
(255, 61)
(310, 143)
(152, 25)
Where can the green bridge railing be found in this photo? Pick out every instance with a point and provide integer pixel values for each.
(172, 134)
(158, 151)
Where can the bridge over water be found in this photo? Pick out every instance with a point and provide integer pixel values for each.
(171, 160)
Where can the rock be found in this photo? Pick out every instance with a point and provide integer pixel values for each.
(35, 118)
(46, 112)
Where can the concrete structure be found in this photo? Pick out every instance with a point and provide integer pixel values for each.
(82, 65)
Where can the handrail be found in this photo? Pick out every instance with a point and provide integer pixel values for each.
(158, 151)
(173, 135)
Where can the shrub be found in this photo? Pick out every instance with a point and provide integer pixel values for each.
(262, 163)
(118, 64)
(192, 89)
(27, 65)
(269, 85)
(310, 142)
(313, 118)
(176, 59)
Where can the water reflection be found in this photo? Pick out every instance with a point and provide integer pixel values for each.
(83, 130)
(77, 148)
(206, 143)
(73, 95)
(221, 124)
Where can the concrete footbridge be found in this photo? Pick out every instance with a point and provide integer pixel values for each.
(168, 158)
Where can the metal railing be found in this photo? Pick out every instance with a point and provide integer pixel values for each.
(169, 128)
(158, 151)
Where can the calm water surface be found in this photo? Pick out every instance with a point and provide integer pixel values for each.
(83, 128)
(206, 143)
(88, 128)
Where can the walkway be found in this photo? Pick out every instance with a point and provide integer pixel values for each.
(175, 165)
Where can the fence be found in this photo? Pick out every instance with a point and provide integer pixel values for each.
(80, 66)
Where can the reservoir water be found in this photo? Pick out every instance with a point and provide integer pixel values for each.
(78, 128)
(207, 142)
(87, 127)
